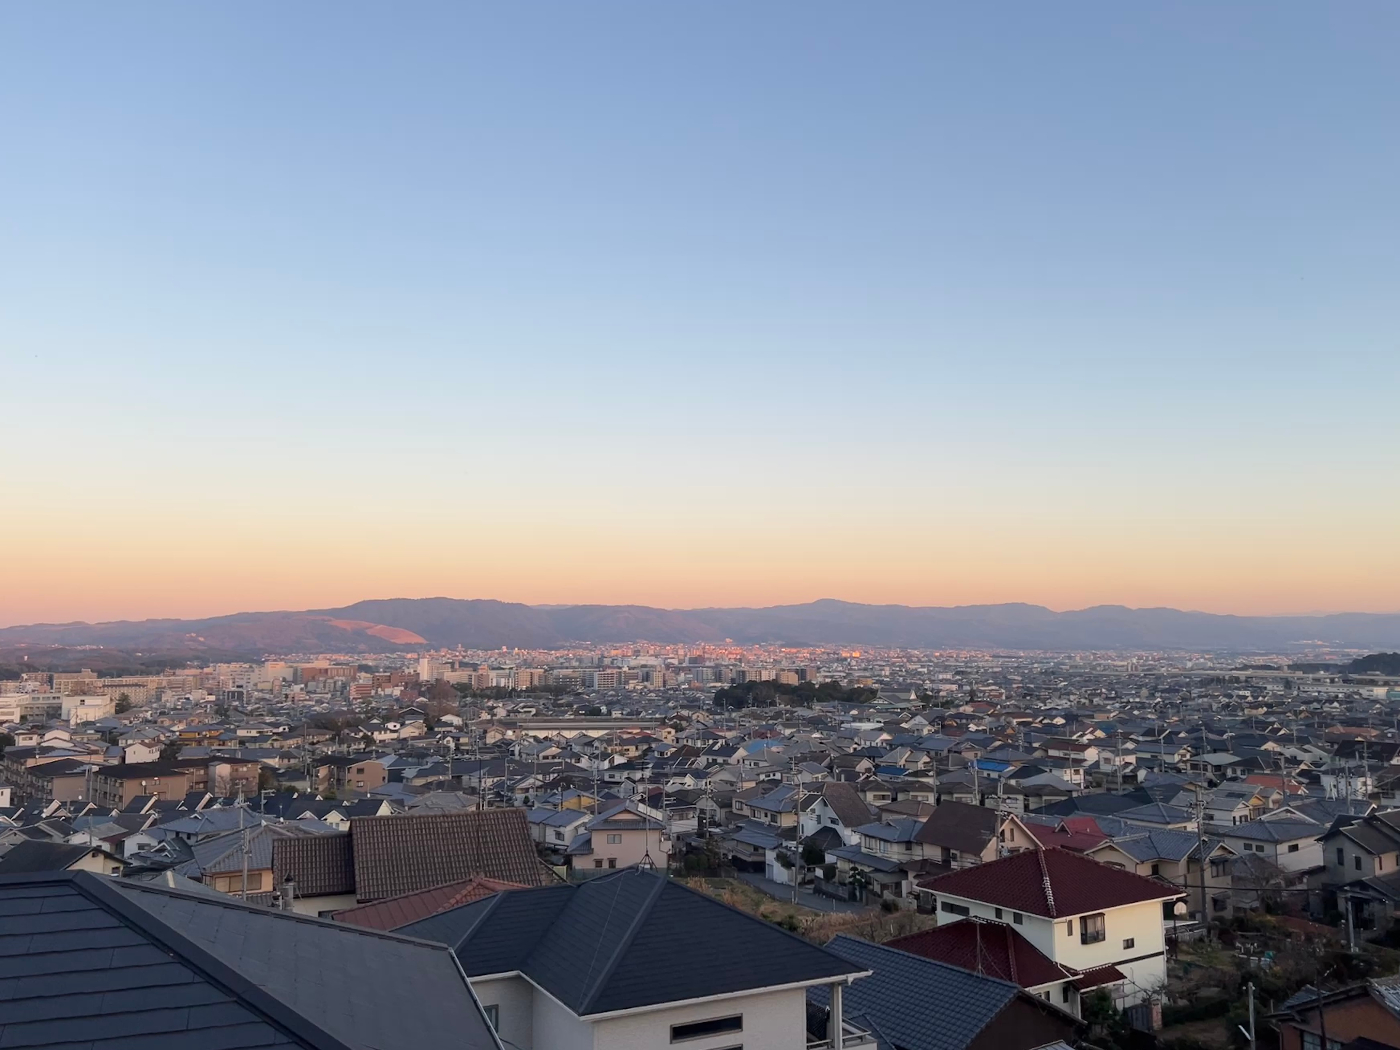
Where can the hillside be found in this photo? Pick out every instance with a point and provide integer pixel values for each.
(396, 624)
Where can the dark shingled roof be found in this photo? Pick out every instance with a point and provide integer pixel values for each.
(98, 963)
(915, 1002)
(626, 940)
(27, 857)
(960, 826)
(1050, 882)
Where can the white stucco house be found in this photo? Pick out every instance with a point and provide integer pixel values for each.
(1078, 912)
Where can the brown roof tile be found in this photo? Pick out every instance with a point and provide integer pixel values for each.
(405, 854)
(393, 912)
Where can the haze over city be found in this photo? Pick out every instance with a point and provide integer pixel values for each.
(564, 304)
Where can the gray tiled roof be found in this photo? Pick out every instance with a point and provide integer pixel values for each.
(916, 1002)
(105, 964)
(626, 940)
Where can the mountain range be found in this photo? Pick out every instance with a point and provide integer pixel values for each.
(399, 624)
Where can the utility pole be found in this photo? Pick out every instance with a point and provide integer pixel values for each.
(1201, 847)
(243, 831)
(1250, 1033)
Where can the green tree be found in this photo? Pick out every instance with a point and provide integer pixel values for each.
(123, 703)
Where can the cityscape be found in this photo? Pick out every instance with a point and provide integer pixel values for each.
(655, 526)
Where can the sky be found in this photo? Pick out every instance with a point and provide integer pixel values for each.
(698, 304)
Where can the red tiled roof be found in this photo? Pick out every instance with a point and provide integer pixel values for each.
(1079, 834)
(393, 912)
(1050, 882)
(986, 947)
(1098, 977)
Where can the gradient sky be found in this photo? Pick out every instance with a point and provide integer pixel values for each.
(699, 304)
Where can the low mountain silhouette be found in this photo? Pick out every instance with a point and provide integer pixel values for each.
(400, 624)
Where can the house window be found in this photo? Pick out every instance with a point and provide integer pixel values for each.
(998, 911)
(1069, 927)
(612, 862)
(615, 839)
(1293, 847)
(597, 863)
(955, 909)
(558, 835)
(1091, 929)
(1064, 993)
(493, 1016)
(1356, 861)
(702, 1029)
(1341, 862)
(1156, 869)
(1016, 918)
(1129, 942)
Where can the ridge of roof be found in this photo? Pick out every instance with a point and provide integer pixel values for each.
(620, 949)
(105, 894)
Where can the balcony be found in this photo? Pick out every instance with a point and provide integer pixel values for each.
(853, 1038)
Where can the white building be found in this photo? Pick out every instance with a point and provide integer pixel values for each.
(1078, 912)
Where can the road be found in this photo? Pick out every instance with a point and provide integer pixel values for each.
(805, 896)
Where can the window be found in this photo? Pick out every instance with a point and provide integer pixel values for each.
(1064, 992)
(1016, 918)
(956, 909)
(615, 839)
(493, 1016)
(1293, 847)
(1129, 942)
(1341, 861)
(612, 862)
(1156, 869)
(597, 863)
(1356, 861)
(1091, 929)
(1069, 927)
(702, 1029)
(998, 913)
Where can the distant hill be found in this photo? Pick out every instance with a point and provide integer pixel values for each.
(397, 624)
(1376, 663)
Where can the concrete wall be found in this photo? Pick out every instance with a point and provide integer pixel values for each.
(514, 996)
(772, 1021)
(555, 1027)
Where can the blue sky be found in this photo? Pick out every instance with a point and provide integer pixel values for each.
(1062, 265)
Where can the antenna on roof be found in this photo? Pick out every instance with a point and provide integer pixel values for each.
(1045, 879)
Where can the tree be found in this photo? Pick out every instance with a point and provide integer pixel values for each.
(123, 703)
(6, 741)
(170, 751)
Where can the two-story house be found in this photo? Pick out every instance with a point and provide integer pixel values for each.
(837, 807)
(1078, 912)
(632, 959)
(621, 836)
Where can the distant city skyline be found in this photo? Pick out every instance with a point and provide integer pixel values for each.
(680, 306)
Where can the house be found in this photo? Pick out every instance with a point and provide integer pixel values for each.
(1078, 912)
(1292, 845)
(838, 806)
(996, 949)
(190, 971)
(619, 837)
(1360, 848)
(383, 857)
(1176, 857)
(959, 834)
(632, 959)
(557, 828)
(917, 1003)
(36, 856)
(1364, 1016)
